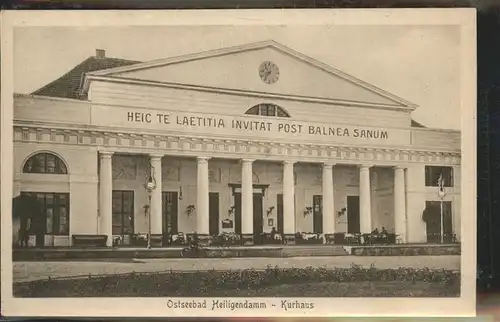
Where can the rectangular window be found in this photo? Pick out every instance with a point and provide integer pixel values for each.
(432, 174)
(123, 212)
(54, 211)
(170, 206)
(50, 220)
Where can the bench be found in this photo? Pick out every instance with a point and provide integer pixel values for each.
(89, 240)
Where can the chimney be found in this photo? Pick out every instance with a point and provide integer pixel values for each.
(100, 53)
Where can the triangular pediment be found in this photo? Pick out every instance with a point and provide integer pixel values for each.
(237, 68)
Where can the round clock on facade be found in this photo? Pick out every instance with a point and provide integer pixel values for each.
(269, 72)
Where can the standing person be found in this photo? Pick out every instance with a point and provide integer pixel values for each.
(194, 241)
(24, 231)
(273, 233)
(26, 236)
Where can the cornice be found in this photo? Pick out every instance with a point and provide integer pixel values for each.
(157, 134)
(242, 92)
(50, 98)
(232, 148)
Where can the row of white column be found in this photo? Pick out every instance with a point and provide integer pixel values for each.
(202, 204)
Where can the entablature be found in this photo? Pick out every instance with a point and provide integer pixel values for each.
(121, 142)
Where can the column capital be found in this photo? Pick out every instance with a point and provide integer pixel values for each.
(247, 160)
(153, 156)
(106, 154)
(365, 166)
(328, 164)
(288, 162)
(202, 159)
(399, 168)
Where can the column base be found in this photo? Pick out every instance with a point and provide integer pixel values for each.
(329, 238)
(289, 239)
(203, 239)
(156, 240)
(247, 239)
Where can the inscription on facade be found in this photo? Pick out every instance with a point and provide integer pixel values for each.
(189, 121)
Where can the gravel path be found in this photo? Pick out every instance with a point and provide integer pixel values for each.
(27, 271)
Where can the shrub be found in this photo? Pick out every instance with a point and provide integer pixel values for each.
(180, 283)
(406, 250)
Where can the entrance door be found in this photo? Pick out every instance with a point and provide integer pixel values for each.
(29, 207)
(353, 223)
(318, 214)
(170, 208)
(279, 211)
(257, 214)
(433, 221)
(237, 213)
(49, 214)
(123, 214)
(213, 213)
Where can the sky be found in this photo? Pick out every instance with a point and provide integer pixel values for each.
(420, 64)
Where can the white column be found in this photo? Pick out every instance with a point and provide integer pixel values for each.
(288, 198)
(400, 203)
(365, 200)
(202, 218)
(156, 204)
(105, 196)
(328, 199)
(415, 203)
(246, 197)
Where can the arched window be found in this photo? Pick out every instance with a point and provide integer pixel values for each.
(45, 163)
(267, 110)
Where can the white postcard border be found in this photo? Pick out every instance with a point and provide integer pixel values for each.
(157, 307)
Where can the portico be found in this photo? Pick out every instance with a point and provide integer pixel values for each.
(287, 172)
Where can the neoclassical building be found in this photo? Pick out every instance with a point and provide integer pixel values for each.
(239, 139)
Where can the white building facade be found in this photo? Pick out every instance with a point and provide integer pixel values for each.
(241, 139)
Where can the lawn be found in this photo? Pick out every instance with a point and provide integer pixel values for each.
(272, 282)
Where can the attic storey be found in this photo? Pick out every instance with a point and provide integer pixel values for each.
(140, 117)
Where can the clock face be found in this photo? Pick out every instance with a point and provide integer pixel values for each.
(269, 72)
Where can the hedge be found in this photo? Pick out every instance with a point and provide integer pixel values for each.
(407, 250)
(201, 282)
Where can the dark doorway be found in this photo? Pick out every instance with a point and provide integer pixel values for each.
(170, 205)
(433, 221)
(237, 213)
(257, 214)
(51, 217)
(279, 211)
(123, 213)
(213, 213)
(353, 224)
(317, 214)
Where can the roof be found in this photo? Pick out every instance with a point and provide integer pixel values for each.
(68, 85)
(416, 124)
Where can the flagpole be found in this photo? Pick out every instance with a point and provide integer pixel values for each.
(442, 228)
(441, 195)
